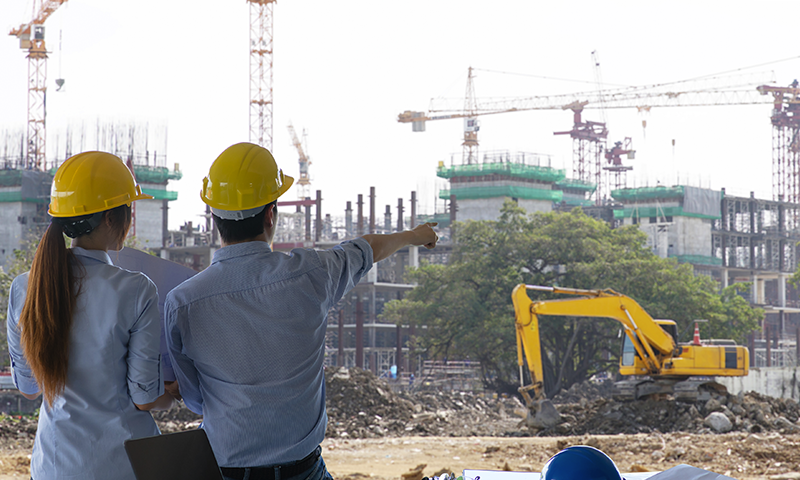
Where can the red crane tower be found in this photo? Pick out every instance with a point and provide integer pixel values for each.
(785, 120)
(589, 137)
(616, 170)
(261, 72)
(31, 38)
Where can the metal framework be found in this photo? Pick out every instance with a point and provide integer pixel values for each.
(617, 172)
(304, 181)
(588, 147)
(785, 144)
(261, 72)
(756, 235)
(31, 37)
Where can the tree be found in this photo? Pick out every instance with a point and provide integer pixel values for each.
(466, 308)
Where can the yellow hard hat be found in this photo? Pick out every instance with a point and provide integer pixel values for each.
(92, 182)
(244, 177)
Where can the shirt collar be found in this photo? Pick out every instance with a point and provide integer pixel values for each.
(240, 250)
(98, 255)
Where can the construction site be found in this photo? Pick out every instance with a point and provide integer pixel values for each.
(395, 414)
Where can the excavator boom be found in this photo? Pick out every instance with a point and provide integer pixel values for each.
(648, 350)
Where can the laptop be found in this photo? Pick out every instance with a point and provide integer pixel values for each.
(173, 456)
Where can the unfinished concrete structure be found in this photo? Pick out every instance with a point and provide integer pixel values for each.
(25, 193)
(480, 189)
(733, 240)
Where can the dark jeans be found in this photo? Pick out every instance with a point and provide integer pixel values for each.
(317, 472)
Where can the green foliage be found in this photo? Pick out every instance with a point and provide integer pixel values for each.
(466, 310)
(21, 263)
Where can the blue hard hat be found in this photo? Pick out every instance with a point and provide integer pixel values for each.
(580, 462)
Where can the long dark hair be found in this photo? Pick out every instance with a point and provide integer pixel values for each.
(53, 287)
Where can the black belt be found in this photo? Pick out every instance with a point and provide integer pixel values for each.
(268, 473)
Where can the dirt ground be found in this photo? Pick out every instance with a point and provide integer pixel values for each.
(377, 433)
(741, 456)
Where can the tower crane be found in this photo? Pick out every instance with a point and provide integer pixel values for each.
(31, 38)
(737, 89)
(261, 72)
(785, 120)
(304, 181)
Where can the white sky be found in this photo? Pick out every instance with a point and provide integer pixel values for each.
(344, 70)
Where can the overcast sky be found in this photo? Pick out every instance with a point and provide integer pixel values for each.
(344, 70)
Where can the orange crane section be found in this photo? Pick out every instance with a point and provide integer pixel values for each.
(31, 38)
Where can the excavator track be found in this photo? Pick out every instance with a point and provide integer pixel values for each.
(692, 389)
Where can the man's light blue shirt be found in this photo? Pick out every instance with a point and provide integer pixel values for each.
(247, 337)
(114, 362)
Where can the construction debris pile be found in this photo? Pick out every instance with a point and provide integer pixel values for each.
(362, 406)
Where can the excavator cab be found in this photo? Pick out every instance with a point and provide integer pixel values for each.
(626, 359)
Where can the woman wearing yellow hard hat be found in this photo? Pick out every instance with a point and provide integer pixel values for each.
(85, 333)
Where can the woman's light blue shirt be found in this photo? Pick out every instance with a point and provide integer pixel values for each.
(114, 362)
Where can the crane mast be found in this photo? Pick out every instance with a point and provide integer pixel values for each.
(261, 72)
(304, 181)
(785, 120)
(31, 38)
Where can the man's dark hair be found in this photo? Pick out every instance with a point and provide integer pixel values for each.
(232, 231)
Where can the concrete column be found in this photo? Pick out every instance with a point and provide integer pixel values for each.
(371, 209)
(413, 210)
(398, 356)
(782, 290)
(360, 218)
(725, 278)
(754, 289)
(768, 342)
(413, 256)
(318, 221)
(340, 352)
(348, 221)
(359, 334)
(400, 222)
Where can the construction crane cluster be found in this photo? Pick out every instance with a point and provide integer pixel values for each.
(589, 137)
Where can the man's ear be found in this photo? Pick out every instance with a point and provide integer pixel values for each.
(269, 216)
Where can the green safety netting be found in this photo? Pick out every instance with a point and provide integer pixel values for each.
(645, 212)
(697, 259)
(526, 193)
(645, 193)
(10, 178)
(532, 172)
(160, 194)
(575, 184)
(146, 174)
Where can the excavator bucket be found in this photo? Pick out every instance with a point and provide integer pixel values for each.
(542, 414)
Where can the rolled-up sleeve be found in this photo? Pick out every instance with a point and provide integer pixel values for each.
(185, 371)
(346, 264)
(145, 381)
(22, 373)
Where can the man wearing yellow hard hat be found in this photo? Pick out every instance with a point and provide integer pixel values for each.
(247, 334)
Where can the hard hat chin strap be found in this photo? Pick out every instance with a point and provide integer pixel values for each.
(76, 226)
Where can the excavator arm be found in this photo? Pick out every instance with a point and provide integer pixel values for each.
(652, 343)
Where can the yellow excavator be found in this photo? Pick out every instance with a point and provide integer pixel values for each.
(655, 364)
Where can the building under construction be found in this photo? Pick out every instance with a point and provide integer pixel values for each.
(25, 191)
